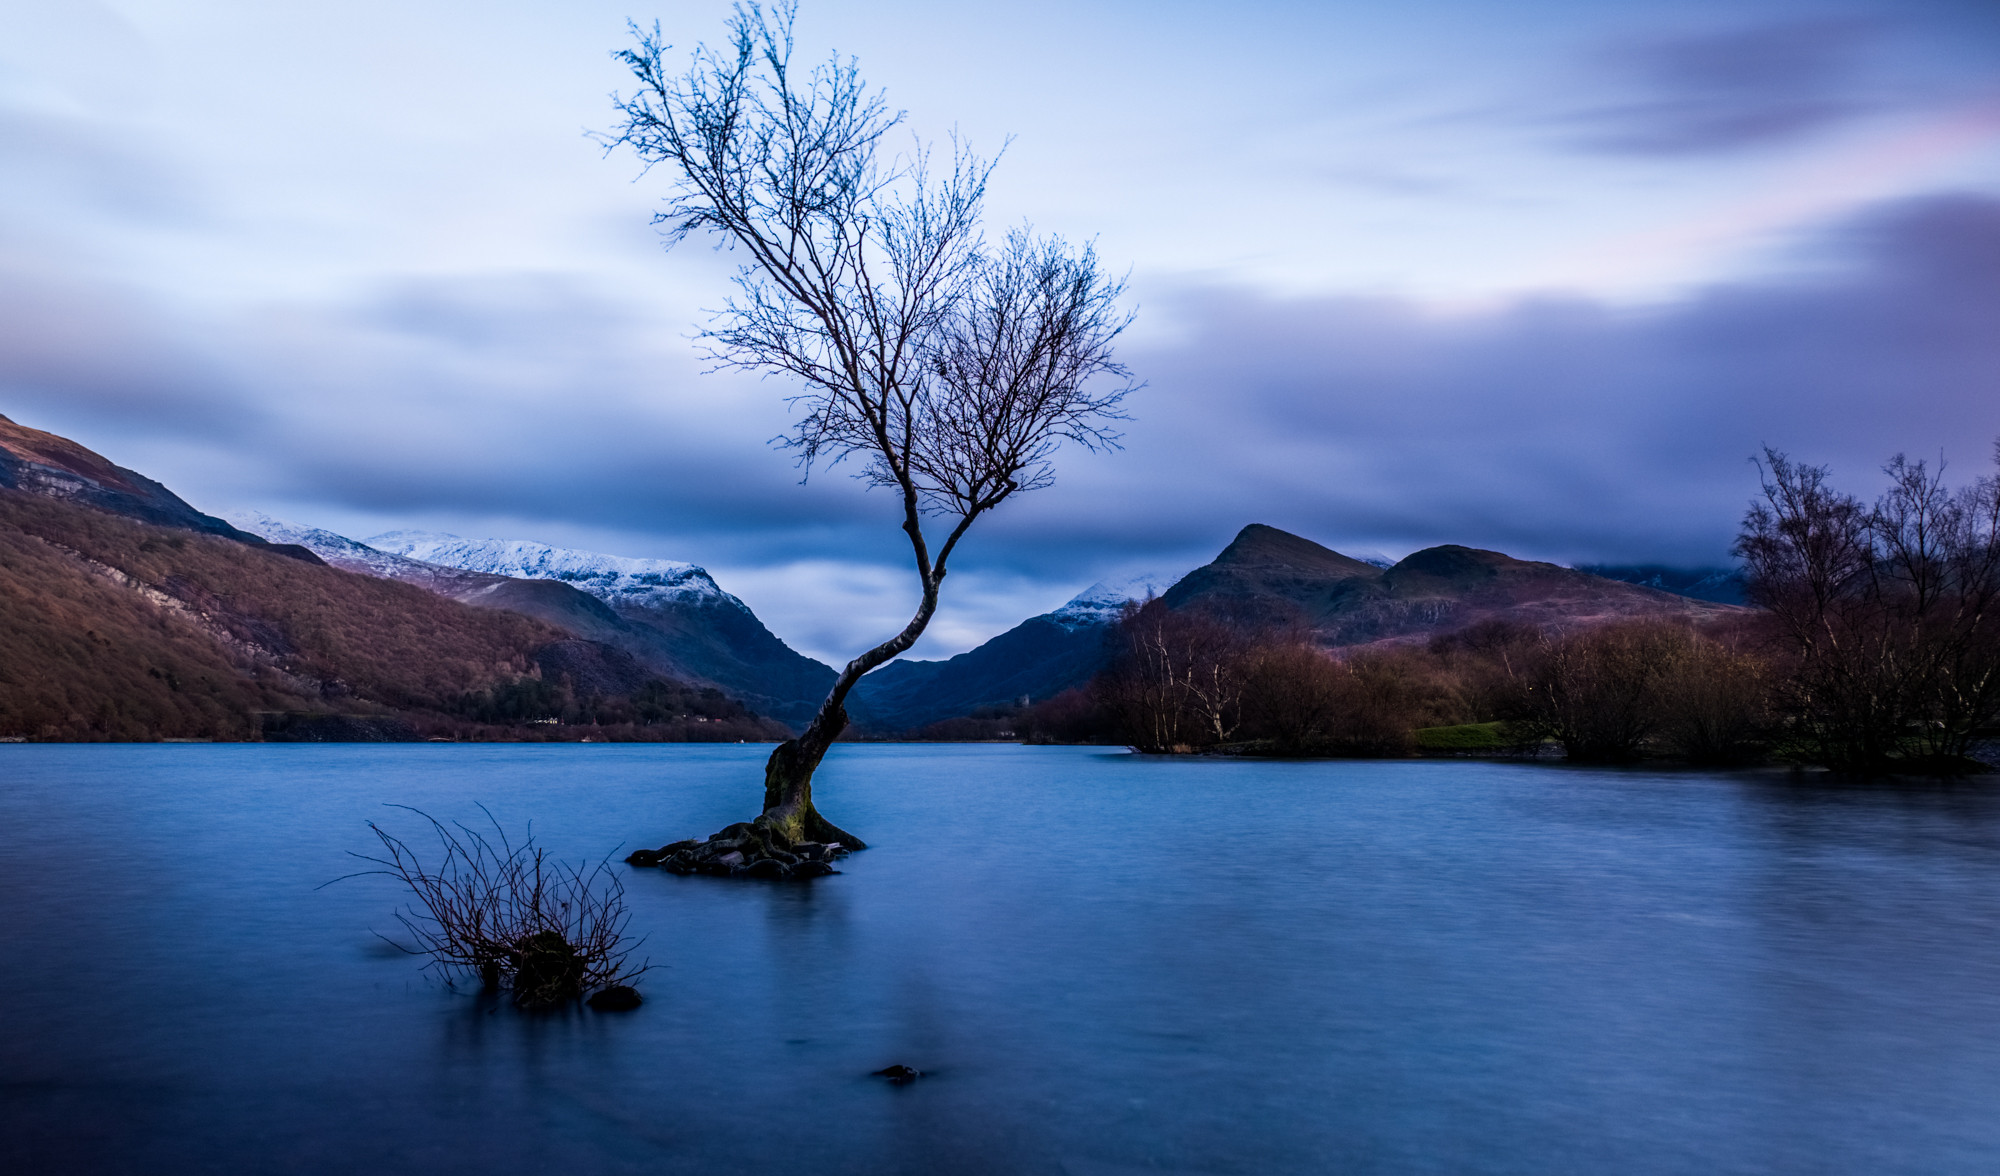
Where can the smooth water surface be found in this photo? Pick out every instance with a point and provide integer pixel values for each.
(1107, 964)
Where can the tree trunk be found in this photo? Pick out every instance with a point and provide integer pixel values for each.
(788, 797)
(790, 839)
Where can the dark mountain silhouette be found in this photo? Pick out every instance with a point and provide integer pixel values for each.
(1036, 659)
(1267, 577)
(704, 642)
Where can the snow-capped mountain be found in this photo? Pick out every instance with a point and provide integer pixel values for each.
(672, 617)
(616, 580)
(1101, 603)
(338, 550)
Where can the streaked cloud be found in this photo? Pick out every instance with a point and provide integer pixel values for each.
(1408, 277)
(1728, 90)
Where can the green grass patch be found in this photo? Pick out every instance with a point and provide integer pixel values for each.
(1467, 737)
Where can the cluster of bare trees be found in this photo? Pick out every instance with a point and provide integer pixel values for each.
(1620, 692)
(1887, 615)
(1185, 681)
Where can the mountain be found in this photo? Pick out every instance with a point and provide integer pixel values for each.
(1721, 585)
(1037, 659)
(127, 614)
(111, 628)
(671, 616)
(1269, 577)
(341, 552)
(43, 464)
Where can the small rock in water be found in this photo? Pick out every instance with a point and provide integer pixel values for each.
(618, 998)
(899, 1075)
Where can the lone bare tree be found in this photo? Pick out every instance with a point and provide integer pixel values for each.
(951, 370)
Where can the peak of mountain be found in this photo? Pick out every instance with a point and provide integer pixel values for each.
(616, 580)
(1260, 547)
(1268, 577)
(44, 464)
(1104, 601)
(1455, 566)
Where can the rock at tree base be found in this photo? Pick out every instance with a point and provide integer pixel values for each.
(747, 849)
(899, 1074)
(618, 998)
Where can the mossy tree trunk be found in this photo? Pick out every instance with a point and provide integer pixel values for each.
(790, 839)
(789, 813)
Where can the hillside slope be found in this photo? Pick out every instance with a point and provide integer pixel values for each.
(1036, 659)
(45, 465)
(116, 629)
(671, 616)
(127, 614)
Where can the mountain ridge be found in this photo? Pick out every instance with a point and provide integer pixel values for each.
(669, 615)
(37, 462)
(1267, 578)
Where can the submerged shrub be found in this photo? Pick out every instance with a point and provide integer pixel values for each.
(512, 915)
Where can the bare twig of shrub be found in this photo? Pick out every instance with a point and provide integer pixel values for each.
(510, 913)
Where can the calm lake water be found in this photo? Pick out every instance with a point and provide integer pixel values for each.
(1109, 965)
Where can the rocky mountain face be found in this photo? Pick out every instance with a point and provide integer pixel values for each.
(669, 617)
(112, 628)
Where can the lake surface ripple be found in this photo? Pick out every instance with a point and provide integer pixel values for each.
(1107, 964)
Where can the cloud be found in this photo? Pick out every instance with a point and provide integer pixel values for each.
(1561, 427)
(1728, 91)
(555, 407)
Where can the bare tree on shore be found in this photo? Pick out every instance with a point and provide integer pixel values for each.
(1890, 614)
(950, 371)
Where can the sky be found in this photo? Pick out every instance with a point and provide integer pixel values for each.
(1538, 276)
